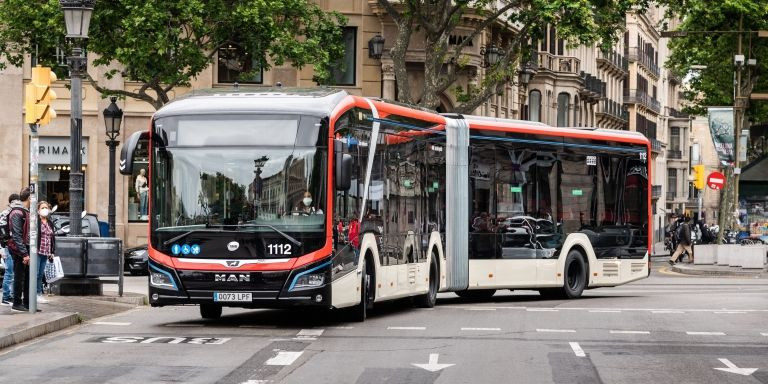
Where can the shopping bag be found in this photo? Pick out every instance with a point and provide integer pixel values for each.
(53, 270)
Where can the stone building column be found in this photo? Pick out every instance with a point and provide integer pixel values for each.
(388, 79)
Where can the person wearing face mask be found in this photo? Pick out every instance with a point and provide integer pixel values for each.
(46, 244)
(306, 207)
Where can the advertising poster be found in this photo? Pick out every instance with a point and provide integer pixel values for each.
(721, 129)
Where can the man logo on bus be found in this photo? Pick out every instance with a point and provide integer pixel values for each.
(233, 263)
(243, 278)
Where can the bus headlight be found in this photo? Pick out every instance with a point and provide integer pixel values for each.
(309, 281)
(161, 279)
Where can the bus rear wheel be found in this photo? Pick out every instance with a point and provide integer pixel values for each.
(429, 299)
(476, 293)
(210, 311)
(575, 272)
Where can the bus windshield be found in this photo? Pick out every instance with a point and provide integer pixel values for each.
(264, 190)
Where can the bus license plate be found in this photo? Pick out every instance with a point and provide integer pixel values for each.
(232, 296)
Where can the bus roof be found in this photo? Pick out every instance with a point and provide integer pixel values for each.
(482, 122)
(255, 100)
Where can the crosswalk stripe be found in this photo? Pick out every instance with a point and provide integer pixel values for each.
(706, 333)
(284, 358)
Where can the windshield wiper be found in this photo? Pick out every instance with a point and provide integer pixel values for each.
(223, 228)
(281, 233)
(185, 234)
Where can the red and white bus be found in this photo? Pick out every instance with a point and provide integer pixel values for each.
(277, 198)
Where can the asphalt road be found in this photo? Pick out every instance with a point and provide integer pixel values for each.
(666, 329)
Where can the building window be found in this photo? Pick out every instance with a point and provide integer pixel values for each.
(138, 189)
(343, 70)
(235, 64)
(534, 101)
(674, 138)
(672, 182)
(563, 102)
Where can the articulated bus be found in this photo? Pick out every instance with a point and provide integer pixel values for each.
(279, 198)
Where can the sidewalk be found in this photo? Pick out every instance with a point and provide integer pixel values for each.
(660, 255)
(61, 312)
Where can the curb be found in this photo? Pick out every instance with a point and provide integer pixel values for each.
(699, 272)
(138, 301)
(33, 329)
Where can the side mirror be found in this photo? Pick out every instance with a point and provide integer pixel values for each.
(126, 154)
(342, 165)
(82, 215)
(55, 207)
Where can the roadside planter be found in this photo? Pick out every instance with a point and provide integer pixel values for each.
(752, 256)
(706, 254)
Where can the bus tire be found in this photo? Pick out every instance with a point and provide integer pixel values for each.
(210, 311)
(359, 312)
(429, 299)
(574, 274)
(476, 293)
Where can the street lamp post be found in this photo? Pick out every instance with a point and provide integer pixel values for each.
(113, 116)
(77, 15)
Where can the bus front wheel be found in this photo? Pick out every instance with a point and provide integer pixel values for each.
(210, 311)
(575, 272)
(429, 299)
(360, 312)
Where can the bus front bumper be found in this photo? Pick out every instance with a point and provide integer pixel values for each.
(271, 289)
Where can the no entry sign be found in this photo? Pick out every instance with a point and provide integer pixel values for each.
(716, 180)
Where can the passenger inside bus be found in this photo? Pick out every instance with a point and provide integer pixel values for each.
(306, 206)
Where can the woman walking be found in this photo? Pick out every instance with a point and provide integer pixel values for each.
(46, 244)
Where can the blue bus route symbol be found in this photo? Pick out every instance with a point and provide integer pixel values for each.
(185, 249)
(195, 249)
(175, 249)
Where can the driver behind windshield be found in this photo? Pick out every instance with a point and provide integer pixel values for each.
(306, 206)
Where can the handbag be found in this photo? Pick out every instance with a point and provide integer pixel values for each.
(53, 270)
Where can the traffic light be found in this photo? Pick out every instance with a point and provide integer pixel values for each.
(698, 176)
(39, 95)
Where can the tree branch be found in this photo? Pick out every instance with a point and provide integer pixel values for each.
(141, 95)
(393, 13)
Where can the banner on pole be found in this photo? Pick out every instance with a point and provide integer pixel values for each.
(721, 130)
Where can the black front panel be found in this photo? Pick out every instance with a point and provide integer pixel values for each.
(233, 280)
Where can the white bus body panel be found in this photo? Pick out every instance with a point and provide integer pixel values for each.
(345, 291)
(546, 273)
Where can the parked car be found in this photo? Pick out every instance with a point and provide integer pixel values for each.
(135, 260)
(89, 224)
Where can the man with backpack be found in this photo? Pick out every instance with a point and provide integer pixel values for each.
(684, 241)
(20, 252)
(5, 236)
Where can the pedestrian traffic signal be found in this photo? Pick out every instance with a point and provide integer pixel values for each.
(699, 180)
(39, 95)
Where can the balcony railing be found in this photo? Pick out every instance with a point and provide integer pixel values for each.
(615, 59)
(649, 132)
(655, 145)
(614, 108)
(636, 96)
(675, 155)
(671, 195)
(636, 54)
(677, 114)
(655, 191)
(556, 63)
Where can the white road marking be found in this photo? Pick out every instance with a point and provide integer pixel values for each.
(541, 310)
(256, 382)
(284, 358)
(433, 366)
(407, 328)
(706, 333)
(555, 330)
(310, 332)
(480, 329)
(732, 368)
(631, 332)
(730, 312)
(480, 309)
(604, 311)
(667, 311)
(764, 333)
(109, 323)
(577, 349)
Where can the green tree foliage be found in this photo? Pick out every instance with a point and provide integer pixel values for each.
(577, 21)
(162, 44)
(712, 43)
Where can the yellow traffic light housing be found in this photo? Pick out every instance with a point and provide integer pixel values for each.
(39, 95)
(698, 177)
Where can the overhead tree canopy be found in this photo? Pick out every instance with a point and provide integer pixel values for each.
(577, 21)
(163, 44)
(711, 42)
